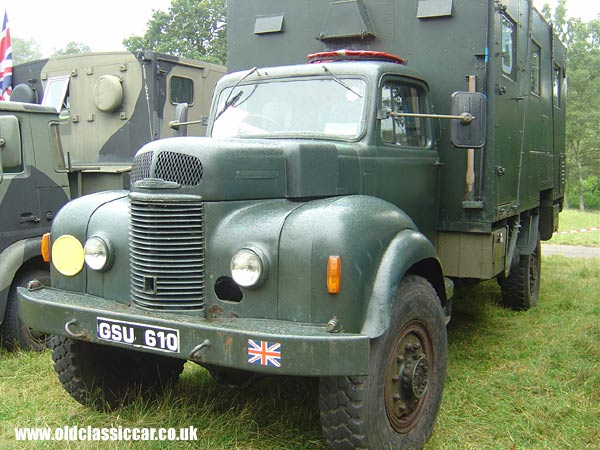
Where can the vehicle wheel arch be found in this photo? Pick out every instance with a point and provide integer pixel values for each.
(17, 258)
(410, 252)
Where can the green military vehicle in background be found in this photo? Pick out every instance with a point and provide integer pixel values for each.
(318, 230)
(33, 187)
(113, 103)
(95, 111)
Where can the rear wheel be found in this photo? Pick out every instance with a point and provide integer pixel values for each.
(520, 290)
(395, 406)
(108, 377)
(15, 334)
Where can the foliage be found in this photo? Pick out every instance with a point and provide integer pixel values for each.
(583, 113)
(73, 48)
(191, 28)
(25, 50)
(591, 193)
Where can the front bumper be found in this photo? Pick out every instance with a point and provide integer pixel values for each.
(305, 349)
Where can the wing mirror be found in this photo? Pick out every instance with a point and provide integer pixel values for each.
(469, 134)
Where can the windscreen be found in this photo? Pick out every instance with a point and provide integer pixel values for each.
(328, 108)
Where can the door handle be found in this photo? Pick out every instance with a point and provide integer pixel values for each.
(29, 218)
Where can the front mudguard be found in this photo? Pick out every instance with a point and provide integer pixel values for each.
(409, 252)
(377, 244)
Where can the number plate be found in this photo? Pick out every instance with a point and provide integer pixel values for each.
(138, 335)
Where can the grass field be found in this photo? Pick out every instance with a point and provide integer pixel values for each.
(515, 381)
(572, 219)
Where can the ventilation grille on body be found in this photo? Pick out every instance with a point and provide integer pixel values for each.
(180, 168)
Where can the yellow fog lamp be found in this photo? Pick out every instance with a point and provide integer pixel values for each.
(67, 255)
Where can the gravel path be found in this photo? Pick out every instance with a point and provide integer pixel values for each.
(573, 251)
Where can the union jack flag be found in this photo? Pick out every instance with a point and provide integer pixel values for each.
(5, 61)
(264, 353)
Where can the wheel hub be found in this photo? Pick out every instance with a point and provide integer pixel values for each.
(407, 377)
(419, 377)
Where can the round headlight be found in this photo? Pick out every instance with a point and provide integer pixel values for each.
(67, 255)
(247, 268)
(96, 253)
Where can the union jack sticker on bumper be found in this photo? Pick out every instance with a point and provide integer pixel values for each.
(264, 353)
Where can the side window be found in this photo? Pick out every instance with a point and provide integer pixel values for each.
(556, 91)
(56, 93)
(58, 157)
(403, 130)
(535, 67)
(509, 48)
(182, 90)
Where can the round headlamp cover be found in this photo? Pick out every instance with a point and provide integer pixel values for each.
(97, 253)
(247, 268)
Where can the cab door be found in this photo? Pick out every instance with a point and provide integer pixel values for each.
(407, 162)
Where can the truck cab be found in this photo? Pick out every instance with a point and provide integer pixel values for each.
(365, 150)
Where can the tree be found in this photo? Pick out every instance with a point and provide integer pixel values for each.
(25, 50)
(191, 28)
(73, 48)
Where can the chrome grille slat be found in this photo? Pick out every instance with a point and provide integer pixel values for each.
(166, 261)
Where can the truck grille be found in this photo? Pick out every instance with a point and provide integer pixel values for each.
(167, 252)
(180, 168)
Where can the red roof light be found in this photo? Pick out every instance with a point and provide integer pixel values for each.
(353, 55)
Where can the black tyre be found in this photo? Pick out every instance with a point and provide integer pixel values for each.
(108, 377)
(395, 406)
(15, 334)
(520, 290)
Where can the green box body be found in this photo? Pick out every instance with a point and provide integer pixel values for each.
(523, 159)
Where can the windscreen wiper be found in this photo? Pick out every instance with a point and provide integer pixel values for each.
(341, 82)
(231, 101)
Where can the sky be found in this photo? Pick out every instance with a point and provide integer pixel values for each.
(585, 9)
(100, 24)
(104, 24)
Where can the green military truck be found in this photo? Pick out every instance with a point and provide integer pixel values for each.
(318, 230)
(95, 111)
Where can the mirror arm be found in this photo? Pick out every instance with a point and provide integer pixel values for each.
(175, 124)
(465, 118)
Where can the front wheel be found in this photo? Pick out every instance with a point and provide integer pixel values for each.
(107, 377)
(395, 406)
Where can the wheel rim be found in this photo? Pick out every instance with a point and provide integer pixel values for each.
(408, 376)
